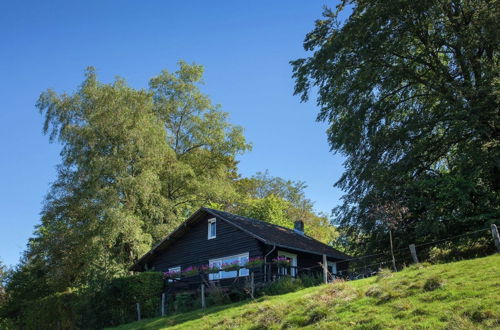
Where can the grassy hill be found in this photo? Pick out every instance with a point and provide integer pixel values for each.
(460, 295)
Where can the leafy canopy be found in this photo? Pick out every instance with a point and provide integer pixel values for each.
(410, 90)
(134, 164)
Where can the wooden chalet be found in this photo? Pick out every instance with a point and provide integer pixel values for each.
(212, 239)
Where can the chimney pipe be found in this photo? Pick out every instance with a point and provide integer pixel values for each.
(298, 227)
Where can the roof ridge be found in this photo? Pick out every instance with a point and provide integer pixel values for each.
(266, 223)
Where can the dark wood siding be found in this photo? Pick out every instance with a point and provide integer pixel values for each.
(194, 247)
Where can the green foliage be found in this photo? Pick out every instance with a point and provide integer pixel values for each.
(463, 249)
(216, 296)
(56, 311)
(135, 163)
(270, 208)
(184, 302)
(204, 143)
(90, 308)
(103, 210)
(410, 91)
(4, 274)
(288, 284)
(281, 202)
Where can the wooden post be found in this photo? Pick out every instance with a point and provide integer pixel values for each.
(325, 269)
(392, 252)
(252, 286)
(163, 304)
(413, 251)
(202, 296)
(138, 306)
(496, 237)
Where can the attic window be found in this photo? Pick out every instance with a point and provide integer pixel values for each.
(212, 228)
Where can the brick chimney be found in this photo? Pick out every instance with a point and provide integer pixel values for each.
(298, 227)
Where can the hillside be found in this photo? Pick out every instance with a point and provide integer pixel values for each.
(460, 295)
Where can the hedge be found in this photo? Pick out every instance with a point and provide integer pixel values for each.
(113, 304)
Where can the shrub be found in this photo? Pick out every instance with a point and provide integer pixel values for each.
(217, 297)
(56, 311)
(464, 249)
(282, 285)
(113, 303)
(184, 302)
(311, 280)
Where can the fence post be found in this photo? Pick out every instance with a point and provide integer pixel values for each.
(202, 296)
(252, 286)
(413, 251)
(325, 269)
(138, 306)
(496, 237)
(163, 304)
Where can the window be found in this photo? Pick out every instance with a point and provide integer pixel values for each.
(176, 269)
(240, 259)
(290, 270)
(212, 228)
(332, 267)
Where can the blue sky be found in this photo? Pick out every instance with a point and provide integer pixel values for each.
(244, 46)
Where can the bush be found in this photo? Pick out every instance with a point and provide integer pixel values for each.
(463, 249)
(311, 280)
(112, 304)
(217, 297)
(184, 302)
(56, 311)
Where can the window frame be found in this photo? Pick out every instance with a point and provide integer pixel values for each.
(212, 221)
(177, 269)
(221, 275)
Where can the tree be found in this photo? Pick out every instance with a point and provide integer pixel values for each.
(135, 163)
(410, 90)
(106, 205)
(4, 273)
(282, 202)
(205, 144)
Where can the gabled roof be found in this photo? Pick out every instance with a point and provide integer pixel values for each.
(263, 231)
(277, 235)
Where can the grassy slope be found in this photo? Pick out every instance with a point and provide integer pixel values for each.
(467, 297)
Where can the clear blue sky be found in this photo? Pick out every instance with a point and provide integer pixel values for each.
(245, 47)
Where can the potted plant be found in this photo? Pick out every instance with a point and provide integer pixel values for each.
(254, 262)
(282, 261)
(171, 274)
(207, 269)
(190, 271)
(235, 265)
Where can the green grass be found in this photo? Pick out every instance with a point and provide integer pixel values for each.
(460, 295)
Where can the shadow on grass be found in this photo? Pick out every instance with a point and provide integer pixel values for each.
(178, 318)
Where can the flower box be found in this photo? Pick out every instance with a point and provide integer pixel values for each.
(254, 262)
(171, 275)
(190, 271)
(209, 269)
(235, 265)
(282, 261)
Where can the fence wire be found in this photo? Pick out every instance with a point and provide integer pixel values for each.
(464, 246)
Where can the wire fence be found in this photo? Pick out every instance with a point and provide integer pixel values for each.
(184, 294)
(469, 245)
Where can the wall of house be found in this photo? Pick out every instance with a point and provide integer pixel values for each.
(194, 248)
